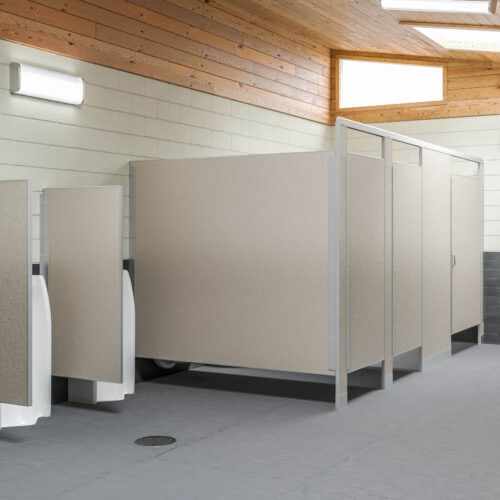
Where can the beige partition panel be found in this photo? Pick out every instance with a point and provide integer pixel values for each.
(407, 257)
(466, 216)
(366, 221)
(231, 261)
(83, 238)
(436, 271)
(15, 293)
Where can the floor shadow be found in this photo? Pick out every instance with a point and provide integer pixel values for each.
(400, 374)
(312, 391)
(107, 407)
(9, 436)
(457, 347)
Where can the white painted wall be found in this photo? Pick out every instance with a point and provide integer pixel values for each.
(477, 135)
(127, 117)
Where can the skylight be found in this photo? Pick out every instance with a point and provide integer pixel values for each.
(466, 6)
(463, 39)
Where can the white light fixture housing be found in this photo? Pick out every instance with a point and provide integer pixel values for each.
(463, 6)
(45, 84)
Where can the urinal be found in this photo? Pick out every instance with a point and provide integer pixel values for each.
(94, 391)
(41, 367)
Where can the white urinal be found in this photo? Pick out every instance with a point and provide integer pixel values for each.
(94, 391)
(41, 367)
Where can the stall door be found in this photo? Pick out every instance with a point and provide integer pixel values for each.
(467, 252)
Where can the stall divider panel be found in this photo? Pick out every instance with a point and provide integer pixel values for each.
(436, 271)
(231, 261)
(388, 363)
(407, 257)
(339, 284)
(83, 267)
(366, 250)
(15, 294)
(466, 247)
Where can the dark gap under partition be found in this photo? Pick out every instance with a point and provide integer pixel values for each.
(464, 339)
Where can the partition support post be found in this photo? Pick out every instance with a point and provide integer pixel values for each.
(480, 328)
(339, 261)
(387, 364)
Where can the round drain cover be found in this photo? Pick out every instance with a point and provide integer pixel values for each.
(155, 441)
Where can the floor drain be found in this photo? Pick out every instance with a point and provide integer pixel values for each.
(155, 441)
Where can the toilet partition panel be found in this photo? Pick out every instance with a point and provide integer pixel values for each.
(466, 194)
(82, 261)
(293, 262)
(15, 293)
(436, 267)
(366, 273)
(231, 261)
(407, 257)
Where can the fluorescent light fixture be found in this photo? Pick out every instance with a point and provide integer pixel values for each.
(45, 84)
(485, 40)
(465, 6)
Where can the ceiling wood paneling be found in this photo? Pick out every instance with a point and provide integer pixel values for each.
(275, 54)
(359, 25)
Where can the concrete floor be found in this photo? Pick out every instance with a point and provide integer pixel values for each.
(433, 435)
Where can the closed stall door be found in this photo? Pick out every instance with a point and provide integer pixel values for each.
(467, 252)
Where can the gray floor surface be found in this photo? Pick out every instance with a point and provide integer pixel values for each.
(432, 435)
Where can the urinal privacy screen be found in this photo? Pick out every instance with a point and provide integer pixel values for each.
(15, 292)
(83, 265)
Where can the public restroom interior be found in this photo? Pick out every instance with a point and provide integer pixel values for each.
(172, 90)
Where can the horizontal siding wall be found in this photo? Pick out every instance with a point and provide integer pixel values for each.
(185, 42)
(479, 136)
(127, 117)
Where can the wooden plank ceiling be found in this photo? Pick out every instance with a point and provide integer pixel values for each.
(272, 53)
(360, 25)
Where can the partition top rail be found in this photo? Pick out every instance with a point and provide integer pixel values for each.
(385, 134)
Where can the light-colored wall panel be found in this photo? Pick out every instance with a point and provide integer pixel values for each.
(467, 283)
(436, 272)
(84, 255)
(407, 257)
(366, 212)
(15, 293)
(478, 136)
(231, 261)
(127, 117)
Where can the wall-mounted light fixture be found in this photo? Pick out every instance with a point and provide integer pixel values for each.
(464, 6)
(45, 84)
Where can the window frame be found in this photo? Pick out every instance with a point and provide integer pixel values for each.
(413, 62)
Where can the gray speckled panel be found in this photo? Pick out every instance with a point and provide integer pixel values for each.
(231, 261)
(366, 261)
(15, 283)
(436, 273)
(407, 258)
(84, 247)
(466, 245)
